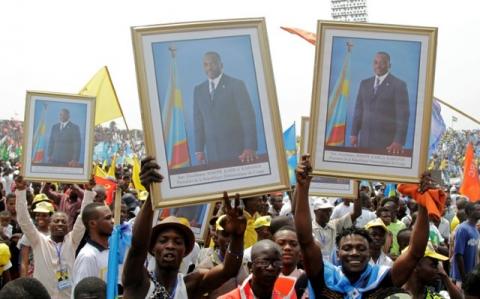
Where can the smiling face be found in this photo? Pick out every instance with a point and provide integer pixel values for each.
(354, 254)
(42, 220)
(59, 225)
(169, 249)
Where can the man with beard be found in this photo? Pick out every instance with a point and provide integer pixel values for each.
(170, 241)
(264, 282)
(92, 260)
(356, 277)
(54, 255)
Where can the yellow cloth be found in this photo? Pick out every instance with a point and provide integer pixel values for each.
(454, 223)
(250, 236)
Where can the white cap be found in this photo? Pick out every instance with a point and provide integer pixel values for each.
(321, 203)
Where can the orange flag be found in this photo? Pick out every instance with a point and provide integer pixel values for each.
(471, 185)
(308, 36)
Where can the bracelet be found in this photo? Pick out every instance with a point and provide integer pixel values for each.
(236, 255)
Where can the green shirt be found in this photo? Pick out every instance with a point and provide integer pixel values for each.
(394, 228)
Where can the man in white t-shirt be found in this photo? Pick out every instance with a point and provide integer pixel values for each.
(92, 260)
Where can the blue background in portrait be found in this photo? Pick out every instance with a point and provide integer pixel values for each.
(405, 63)
(237, 59)
(78, 116)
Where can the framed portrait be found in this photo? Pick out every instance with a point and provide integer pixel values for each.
(58, 137)
(372, 101)
(197, 217)
(209, 109)
(324, 185)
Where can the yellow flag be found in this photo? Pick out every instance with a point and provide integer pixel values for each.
(99, 172)
(113, 166)
(136, 175)
(107, 106)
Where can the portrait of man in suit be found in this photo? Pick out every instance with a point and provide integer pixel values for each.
(64, 145)
(224, 118)
(381, 114)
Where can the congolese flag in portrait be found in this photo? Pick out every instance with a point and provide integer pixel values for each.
(337, 105)
(39, 138)
(174, 122)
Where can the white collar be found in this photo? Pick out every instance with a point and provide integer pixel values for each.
(381, 78)
(216, 80)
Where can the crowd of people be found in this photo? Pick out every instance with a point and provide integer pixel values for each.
(55, 243)
(449, 155)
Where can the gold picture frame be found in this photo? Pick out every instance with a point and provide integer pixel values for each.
(372, 124)
(323, 185)
(53, 151)
(175, 94)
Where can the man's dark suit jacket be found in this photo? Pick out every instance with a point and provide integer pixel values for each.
(224, 125)
(381, 118)
(64, 145)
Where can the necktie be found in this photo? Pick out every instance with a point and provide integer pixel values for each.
(375, 86)
(212, 90)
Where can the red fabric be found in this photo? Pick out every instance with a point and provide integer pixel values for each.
(470, 186)
(308, 36)
(110, 187)
(433, 199)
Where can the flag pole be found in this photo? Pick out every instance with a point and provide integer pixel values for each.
(459, 111)
(121, 111)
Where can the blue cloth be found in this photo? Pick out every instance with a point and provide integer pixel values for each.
(437, 128)
(290, 143)
(336, 280)
(466, 241)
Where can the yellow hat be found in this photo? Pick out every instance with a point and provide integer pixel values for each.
(143, 195)
(184, 221)
(377, 222)
(40, 197)
(44, 207)
(430, 252)
(4, 254)
(262, 221)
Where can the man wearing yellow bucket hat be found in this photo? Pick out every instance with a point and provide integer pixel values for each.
(427, 273)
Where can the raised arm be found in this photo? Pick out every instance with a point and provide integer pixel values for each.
(135, 277)
(312, 255)
(79, 228)
(23, 217)
(357, 205)
(235, 226)
(406, 263)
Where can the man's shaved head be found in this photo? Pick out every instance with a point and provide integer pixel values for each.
(264, 245)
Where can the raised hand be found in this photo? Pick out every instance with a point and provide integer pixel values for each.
(91, 183)
(427, 182)
(235, 222)
(303, 171)
(149, 172)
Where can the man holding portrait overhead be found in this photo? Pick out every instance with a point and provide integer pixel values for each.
(381, 114)
(224, 118)
(65, 141)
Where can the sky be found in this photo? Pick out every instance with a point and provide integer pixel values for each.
(59, 45)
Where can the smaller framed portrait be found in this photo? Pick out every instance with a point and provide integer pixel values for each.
(372, 101)
(323, 185)
(209, 109)
(58, 140)
(196, 216)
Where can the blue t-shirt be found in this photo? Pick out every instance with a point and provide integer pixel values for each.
(466, 242)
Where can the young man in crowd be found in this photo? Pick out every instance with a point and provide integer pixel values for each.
(276, 203)
(427, 274)
(170, 241)
(265, 282)
(54, 255)
(92, 260)
(325, 229)
(466, 242)
(286, 238)
(378, 231)
(395, 225)
(356, 277)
